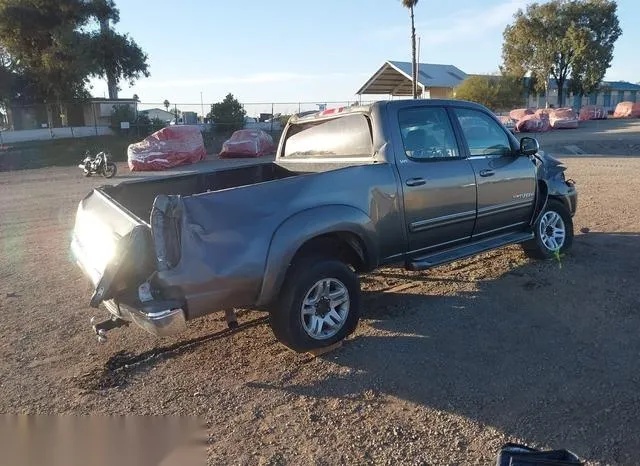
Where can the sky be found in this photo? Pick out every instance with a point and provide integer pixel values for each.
(291, 51)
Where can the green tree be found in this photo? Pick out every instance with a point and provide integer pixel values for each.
(410, 5)
(14, 86)
(495, 92)
(53, 44)
(227, 115)
(593, 41)
(115, 56)
(42, 39)
(166, 104)
(564, 40)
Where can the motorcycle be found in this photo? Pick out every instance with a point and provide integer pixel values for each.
(100, 164)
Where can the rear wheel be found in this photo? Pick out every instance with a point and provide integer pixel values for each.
(553, 232)
(318, 306)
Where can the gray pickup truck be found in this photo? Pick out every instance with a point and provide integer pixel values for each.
(418, 183)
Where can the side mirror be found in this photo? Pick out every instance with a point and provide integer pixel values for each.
(529, 146)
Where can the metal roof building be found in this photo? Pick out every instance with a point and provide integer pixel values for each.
(621, 86)
(612, 85)
(608, 95)
(394, 78)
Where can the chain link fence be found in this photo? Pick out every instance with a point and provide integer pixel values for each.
(267, 116)
(134, 119)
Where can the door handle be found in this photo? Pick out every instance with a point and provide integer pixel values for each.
(486, 173)
(415, 181)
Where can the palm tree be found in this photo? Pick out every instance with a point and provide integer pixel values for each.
(136, 100)
(410, 4)
(166, 104)
(105, 11)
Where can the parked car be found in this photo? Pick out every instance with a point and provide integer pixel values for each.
(418, 183)
(508, 122)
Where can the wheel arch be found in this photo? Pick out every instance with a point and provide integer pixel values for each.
(337, 231)
(542, 197)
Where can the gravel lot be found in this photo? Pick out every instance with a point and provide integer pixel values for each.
(445, 366)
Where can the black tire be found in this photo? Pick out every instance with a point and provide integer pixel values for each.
(286, 317)
(537, 248)
(110, 170)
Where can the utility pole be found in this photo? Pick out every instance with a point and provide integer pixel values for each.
(201, 107)
(415, 65)
(416, 72)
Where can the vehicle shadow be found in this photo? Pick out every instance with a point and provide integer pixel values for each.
(119, 368)
(548, 353)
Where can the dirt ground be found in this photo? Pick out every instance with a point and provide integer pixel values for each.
(600, 137)
(445, 367)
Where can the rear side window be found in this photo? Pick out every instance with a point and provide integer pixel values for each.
(347, 136)
(427, 134)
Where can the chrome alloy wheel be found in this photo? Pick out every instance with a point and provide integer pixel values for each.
(552, 230)
(325, 308)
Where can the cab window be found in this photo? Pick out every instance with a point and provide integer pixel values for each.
(483, 134)
(427, 134)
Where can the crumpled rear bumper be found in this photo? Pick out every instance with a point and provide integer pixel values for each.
(160, 318)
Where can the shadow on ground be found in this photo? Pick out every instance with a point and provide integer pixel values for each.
(543, 353)
(120, 367)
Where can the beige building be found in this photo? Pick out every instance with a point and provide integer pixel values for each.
(158, 113)
(394, 79)
(92, 112)
(610, 94)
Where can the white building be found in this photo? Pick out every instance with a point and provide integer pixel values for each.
(159, 113)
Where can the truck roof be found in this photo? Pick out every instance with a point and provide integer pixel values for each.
(367, 108)
(331, 112)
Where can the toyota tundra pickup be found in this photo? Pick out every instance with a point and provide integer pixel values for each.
(417, 182)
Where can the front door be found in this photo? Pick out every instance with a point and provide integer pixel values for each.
(438, 182)
(506, 180)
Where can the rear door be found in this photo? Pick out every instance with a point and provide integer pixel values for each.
(438, 182)
(506, 180)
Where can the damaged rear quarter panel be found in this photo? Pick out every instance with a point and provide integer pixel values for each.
(227, 236)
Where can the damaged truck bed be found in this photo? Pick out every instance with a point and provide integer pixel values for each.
(393, 182)
(132, 234)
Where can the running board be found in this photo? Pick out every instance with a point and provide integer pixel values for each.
(450, 255)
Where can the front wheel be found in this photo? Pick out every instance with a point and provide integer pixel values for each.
(110, 170)
(553, 232)
(319, 304)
